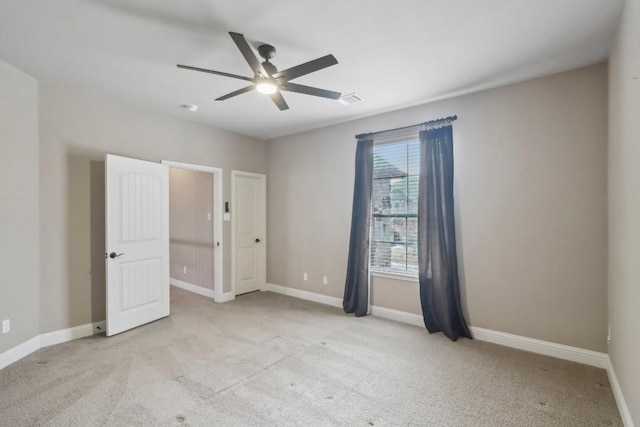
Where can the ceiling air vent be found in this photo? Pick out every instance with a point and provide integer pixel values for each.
(351, 98)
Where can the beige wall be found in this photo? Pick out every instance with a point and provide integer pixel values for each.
(191, 229)
(530, 192)
(530, 189)
(76, 131)
(624, 207)
(19, 245)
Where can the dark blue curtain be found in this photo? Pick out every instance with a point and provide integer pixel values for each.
(356, 289)
(437, 256)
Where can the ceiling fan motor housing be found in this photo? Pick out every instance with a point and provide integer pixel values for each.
(267, 51)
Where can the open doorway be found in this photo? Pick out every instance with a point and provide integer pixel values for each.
(196, 238)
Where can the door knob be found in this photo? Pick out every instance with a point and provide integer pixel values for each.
(113, 255)
(257, 240)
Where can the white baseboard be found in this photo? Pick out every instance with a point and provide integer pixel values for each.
(306, 295)
(50, 338)
(228, 296)
(561, 351)
(617, 393)
(70, 334)
(18, 352)
(398, 316)
(191, 288)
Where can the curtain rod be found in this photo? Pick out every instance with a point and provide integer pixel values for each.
(429, 123)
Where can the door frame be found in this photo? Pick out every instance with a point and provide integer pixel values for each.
(218, 251)
(263, 220)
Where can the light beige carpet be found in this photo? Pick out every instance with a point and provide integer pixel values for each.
(268, 359)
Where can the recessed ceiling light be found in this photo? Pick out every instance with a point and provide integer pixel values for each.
(190, 107)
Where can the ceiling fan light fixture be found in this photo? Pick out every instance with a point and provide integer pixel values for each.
(266, 86)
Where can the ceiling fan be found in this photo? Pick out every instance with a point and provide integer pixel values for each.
(266, 77)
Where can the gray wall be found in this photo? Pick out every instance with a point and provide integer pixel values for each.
(530, 188)
(76, 131)
(190, 230)
(624, 207)
(19, 244)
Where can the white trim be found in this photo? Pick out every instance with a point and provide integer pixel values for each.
(306, 295)
(225, 297)
(561, 351)
(218, 209)
(398, 316)
(18, 352)
(263, 225)
(192, 288)
(399, 135)
(249, 174)
(49, 338)
(395, 276)
(70, 334)
(627, 421)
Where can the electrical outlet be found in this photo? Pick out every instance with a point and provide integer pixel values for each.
(208, 216)
(184, 270)
(6, 326)
(325, 280)
(305, 276)
(609, 335)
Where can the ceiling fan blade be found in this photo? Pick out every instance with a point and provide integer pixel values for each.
(306, 68)
(219, 73)
(308, 90)
(279, 101)
(248, 54)
(236, 93)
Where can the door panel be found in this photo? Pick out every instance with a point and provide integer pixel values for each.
(138, 283)
(249, 225)
(137, 242)
(246, 264)
(141, 220)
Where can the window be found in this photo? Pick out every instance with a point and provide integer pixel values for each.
(394, 199)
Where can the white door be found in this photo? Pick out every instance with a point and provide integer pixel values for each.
(137, 242)
(248, 224)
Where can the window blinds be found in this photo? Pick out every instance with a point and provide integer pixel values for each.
(394, 199)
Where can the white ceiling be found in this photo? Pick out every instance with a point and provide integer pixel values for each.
(393, 53)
